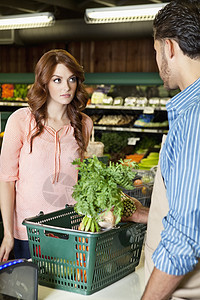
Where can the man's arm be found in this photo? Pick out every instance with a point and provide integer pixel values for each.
(161, 285)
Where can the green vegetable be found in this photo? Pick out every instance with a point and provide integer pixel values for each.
(89, 224)
(129, 206)
(99, 187)
(114, 142)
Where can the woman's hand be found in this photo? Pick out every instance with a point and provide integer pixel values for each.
(6, 247)
(140, 215)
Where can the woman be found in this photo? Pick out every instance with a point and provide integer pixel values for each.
(39, 145)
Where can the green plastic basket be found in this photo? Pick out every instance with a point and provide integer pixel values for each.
(77, 261)
(142, 193)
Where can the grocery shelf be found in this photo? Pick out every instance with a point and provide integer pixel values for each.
(127, 129)
(90, 106)
(117, 107)
(119, 78)
(13, 103)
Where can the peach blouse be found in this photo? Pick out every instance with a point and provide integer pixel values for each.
(44, 178)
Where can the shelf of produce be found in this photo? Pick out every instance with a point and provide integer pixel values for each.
(13, 103)
(91, 106)
(150, 109)
(145, 130)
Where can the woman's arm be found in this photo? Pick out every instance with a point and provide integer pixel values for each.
(7, 200)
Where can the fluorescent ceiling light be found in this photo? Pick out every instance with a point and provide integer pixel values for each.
(26, 21)
(129, 13)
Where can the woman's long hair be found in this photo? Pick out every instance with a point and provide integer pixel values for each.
(38, 93)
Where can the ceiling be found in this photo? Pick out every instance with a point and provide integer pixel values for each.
(70, 24)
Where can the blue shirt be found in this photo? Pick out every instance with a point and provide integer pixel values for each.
(179, 249)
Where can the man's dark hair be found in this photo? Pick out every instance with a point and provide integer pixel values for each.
(180, 20)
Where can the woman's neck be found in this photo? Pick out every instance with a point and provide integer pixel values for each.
(57, 117)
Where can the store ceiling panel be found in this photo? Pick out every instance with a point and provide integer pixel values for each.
(69, 16)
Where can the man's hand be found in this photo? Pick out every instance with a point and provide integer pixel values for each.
(140, 215)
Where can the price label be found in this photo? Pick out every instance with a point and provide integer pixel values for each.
(148, 110)
(132, 141)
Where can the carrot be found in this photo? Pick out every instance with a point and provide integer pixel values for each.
(85, 276)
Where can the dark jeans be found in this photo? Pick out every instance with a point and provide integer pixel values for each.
(21, 249)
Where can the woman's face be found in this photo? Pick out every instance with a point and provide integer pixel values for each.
(62, 85)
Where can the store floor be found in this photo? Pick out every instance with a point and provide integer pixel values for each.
(130, 288)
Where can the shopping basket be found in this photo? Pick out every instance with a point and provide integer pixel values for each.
(77, 261)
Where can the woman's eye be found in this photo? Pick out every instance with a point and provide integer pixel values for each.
(57, 80)
(72, 79)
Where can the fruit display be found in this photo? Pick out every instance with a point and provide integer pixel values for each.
(7, 91)
(14, 92)
(20, 92)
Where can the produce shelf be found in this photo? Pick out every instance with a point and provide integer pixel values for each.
(13, 103)
(116, 107)
(145, 130)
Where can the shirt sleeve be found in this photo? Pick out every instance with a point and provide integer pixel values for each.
(11, 146)
(179, 249)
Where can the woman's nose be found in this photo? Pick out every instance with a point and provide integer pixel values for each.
(67, 85)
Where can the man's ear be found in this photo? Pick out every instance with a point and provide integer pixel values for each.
(169, 48)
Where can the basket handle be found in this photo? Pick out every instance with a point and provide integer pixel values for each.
(58, 235)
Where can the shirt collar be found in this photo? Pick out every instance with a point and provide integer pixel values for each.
(185, 98)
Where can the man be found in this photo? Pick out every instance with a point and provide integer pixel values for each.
(172, 249)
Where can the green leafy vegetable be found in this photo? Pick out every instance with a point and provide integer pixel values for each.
(99, 186)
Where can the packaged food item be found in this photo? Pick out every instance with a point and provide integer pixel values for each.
(118, 101)
(97, 98)
(143, 120)
(154, 102)
(130, 101)
(142, 101)
(95, 148)
(163, 101)
(115, 120)
(107, 100)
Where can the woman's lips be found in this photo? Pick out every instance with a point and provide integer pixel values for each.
(66, 95)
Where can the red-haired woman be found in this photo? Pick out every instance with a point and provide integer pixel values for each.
(40, 142)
